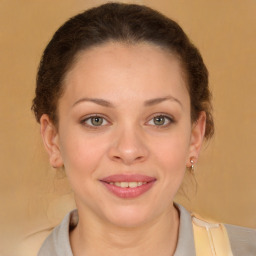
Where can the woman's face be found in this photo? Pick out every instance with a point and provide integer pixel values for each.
(124, 134)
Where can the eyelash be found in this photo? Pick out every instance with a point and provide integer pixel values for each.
(89, 118)
(169, 119)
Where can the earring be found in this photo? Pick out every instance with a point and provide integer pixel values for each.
(192, 167)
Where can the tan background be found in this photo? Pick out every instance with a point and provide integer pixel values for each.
(34, 197)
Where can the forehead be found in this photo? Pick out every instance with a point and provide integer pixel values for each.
(136, 70)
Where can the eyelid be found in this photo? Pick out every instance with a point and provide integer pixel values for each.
(85, 118)
(167, 116)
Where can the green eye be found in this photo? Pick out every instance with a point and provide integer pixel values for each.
(95, 121)
(159, 120)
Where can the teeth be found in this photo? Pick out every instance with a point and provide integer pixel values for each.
(124, 184)
(132, 184)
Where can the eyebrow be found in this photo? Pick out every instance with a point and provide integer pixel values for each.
(159, 100)
(147, 103)
(100, 102)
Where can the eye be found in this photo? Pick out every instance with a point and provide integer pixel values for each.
(95, 121)
(160, 120)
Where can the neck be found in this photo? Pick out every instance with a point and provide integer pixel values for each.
(158, 237)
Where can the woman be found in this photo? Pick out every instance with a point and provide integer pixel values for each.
(123, 101)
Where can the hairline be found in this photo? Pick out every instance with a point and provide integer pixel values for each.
(128, 42)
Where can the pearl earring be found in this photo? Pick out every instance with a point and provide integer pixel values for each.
(192, 167)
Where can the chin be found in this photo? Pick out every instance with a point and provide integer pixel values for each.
(129, 217)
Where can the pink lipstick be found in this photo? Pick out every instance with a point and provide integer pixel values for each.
(128, 186)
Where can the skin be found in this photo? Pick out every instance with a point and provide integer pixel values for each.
(127, 79)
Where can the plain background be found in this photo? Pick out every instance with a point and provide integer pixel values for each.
(33, 196)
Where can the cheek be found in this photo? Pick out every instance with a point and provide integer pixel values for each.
(175, 155)
(173, 149)
(171, 154)
(172, 160)
(81, 155)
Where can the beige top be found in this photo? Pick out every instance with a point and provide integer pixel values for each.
(242, 240)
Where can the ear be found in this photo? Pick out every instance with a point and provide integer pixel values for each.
(50, 138)
(197, 137)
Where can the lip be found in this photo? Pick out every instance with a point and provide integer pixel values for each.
(128, 178)
(128, 192)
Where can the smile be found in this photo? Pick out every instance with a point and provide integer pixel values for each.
(128, 186)
(132, 184)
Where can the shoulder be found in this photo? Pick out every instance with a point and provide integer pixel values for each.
(242, 239)
(225, 237)
(57, 243)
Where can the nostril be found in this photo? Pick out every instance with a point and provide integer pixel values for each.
(128, 150)
(139, 158)
(128, 160)
(117, 157)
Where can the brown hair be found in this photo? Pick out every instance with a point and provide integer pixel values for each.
(128, 23)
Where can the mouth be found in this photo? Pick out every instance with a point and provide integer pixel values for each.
(132, 184)
(128, 186)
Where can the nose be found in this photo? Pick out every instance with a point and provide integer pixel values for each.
(128, 147)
